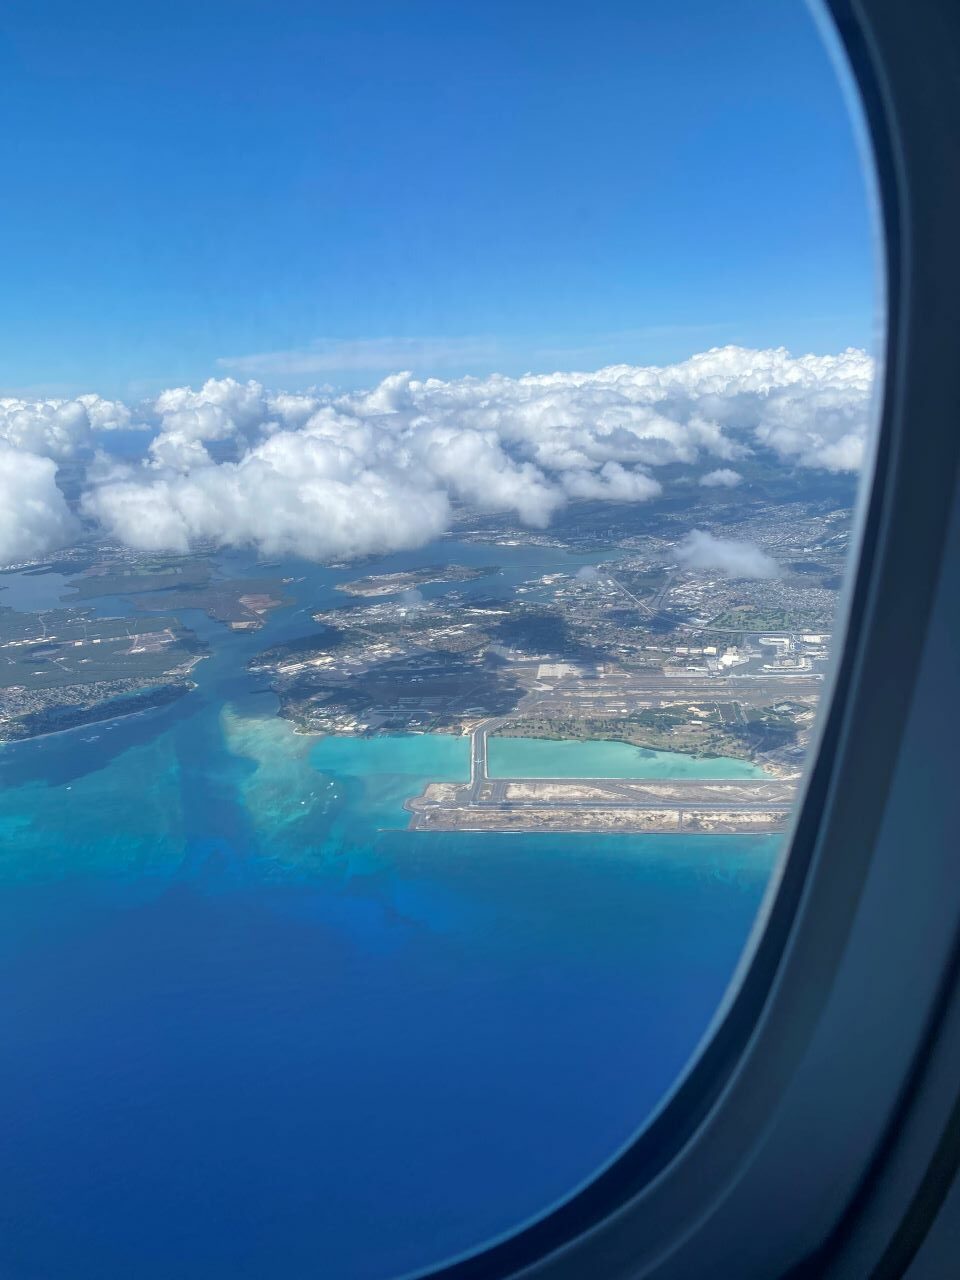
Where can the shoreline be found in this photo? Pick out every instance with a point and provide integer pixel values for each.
(775, 770)
(189, 687)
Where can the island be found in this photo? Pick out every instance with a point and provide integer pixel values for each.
(390, 584)
(170, 583)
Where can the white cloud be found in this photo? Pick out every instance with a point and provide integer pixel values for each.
(221, 408)
(722, 478)
(108, 415)
(34, 518)
(814, 410)
(331, 475)
(59, 429)
(611, 483)
(291, 494)
(702, 551)
(412, 600)
(474, 467)
(366, 355)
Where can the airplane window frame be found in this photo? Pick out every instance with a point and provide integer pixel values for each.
(776, 1110)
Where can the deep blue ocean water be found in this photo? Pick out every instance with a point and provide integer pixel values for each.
(255, 1029)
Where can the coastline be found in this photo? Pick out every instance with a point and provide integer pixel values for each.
(177, 692)
(774, 768)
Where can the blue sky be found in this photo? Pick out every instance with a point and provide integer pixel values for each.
(325, 192)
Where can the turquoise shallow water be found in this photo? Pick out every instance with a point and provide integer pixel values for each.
(387, 771)
(543, 758)
(254, 1028)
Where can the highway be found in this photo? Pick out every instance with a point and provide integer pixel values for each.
(658, 614)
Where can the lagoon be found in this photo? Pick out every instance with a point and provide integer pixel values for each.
(546, 758)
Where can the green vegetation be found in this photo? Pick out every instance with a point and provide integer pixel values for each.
(73, 647)
(642, 581)
(92, 710)
(427, 692)
(544, 631)
(182, 584)
(232, 600)
(67, 667)
(752, 618)
(129, 580)
(725, 729)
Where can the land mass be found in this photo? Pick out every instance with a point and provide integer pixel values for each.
(389, 584)
(638, 648)
(634, 645)
(174, 583)
(485, 803)
(93, 705)
(67, 667)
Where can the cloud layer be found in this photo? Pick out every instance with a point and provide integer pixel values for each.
(326, 475)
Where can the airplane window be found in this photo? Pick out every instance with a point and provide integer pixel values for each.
(430, 440)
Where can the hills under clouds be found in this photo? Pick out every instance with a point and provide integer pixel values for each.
(327, 476)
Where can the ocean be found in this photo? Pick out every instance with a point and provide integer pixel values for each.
(254, 1029)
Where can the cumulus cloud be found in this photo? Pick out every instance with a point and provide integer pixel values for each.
(701, 550)
(814, 410)
(722, 478)
(327, 474)
(34, 517)
(221, 408)
(611, 483)
(292, 494)
(59, 429)
(475, 467)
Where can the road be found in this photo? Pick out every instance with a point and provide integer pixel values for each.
(657, 614)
